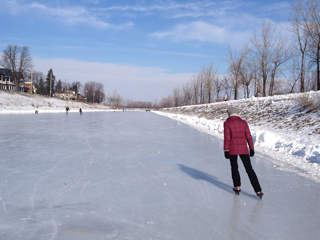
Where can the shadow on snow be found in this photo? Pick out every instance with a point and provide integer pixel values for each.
(199, 175)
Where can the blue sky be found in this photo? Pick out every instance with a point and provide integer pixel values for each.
(142, 49)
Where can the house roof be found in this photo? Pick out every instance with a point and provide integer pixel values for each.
(6, 72)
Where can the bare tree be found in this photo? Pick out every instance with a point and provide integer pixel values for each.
(236, 61)
(115, 100)
(218, 86)
(226, 85)
(210, 75)
(201, 86)
(194, 87)
(176, 97)
(297, 17)
(94, 92)
(187, 94)
(282, 53)
(294, 73)
(167, 102)
(18, 60)
(247, 76)
(263, 50)
(312, 24)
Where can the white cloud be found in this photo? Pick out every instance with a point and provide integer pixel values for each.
(132, 82)
(171, 9)
(198, 31)
(70, 15)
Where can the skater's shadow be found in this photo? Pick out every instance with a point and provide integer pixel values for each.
(199, 175)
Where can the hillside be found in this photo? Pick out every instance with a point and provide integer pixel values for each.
(285, 128)
(293, 112)
(13, 102)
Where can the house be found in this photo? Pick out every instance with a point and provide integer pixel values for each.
(28, 86)
(66, 94)
(82, 98)
(6, 80)
(20, 82)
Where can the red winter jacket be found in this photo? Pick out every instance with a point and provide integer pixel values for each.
(236, 136)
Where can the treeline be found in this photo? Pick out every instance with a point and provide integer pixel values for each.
(268, 64)
(115, 100)
(92, 91)
(19, 61)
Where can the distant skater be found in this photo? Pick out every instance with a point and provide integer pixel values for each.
(67, 110)
(80, 110)
(237, 137)
(36, 110)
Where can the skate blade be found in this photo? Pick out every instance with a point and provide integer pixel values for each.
(237, 192)
(260, 195)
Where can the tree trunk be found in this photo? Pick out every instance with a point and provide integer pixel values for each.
(302, 74)
(318, 67)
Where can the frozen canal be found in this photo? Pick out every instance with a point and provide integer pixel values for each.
(137, 175)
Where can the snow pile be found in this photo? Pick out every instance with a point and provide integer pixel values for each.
(12, 102)
(284, 128)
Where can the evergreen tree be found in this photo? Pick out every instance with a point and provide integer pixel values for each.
(59, 86)
(47, 84)
(40, 89)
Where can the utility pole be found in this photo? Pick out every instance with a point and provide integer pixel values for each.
(50, 82)
(65, 88)
(31, 80)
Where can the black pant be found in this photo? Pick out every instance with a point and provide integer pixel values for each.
(247, 165)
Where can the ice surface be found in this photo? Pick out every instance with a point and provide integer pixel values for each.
(138, 175)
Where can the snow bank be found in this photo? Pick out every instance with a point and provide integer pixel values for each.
(23, 103)
(290, 150)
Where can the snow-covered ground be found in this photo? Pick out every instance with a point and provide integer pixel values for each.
(285, 127)
(20, 103)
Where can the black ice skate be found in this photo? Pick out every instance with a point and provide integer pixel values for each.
(260, 194)
(237, 190)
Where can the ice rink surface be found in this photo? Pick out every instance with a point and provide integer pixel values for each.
(138, 175)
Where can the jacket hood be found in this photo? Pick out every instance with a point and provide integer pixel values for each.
(232, 111)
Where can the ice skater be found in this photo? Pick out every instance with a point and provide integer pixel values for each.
(67, 110)
(80, 110)
(36, 110)
(237, 137)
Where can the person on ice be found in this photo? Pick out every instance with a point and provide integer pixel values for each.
(80, 110)
(237, 137)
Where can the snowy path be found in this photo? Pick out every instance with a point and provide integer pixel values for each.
(137, 175)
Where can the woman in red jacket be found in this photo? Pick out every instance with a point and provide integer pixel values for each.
(237, 137)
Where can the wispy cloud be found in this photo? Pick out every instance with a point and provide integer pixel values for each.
(195, 31)
(176, 10)
(201, 32)
(70, 15)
